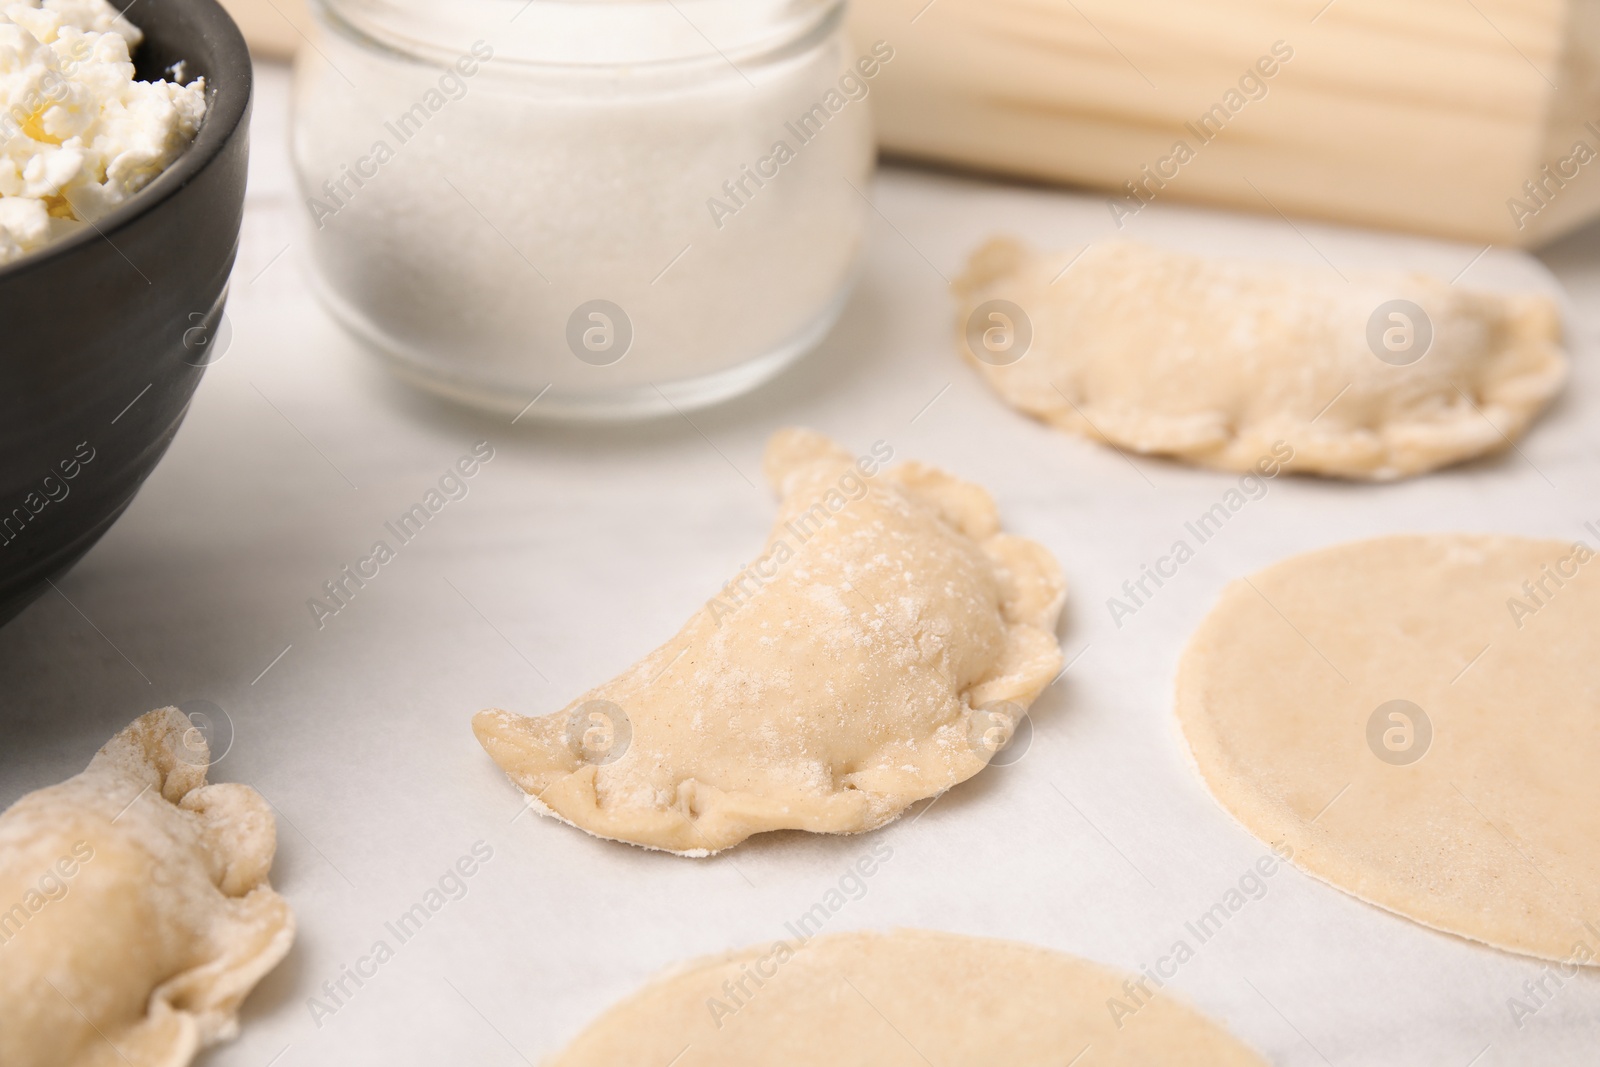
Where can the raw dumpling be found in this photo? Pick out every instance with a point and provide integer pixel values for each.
(137, 914)
(1223, 363)
(904, 999)
(878, 652)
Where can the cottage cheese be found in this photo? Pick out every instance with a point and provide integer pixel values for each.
(78, 135)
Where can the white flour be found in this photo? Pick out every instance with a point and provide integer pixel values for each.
(475, 225)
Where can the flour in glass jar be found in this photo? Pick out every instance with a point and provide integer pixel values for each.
(611, 213)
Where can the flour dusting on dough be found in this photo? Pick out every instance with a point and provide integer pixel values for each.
(1214, 361)
(167, 920)
(833, 692)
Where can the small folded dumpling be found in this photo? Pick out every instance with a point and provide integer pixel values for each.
(1235, 364)
(135, 913)
(879, 651)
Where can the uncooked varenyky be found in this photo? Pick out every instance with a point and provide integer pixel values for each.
(138, 914)
(886, 641)
(1221, 363)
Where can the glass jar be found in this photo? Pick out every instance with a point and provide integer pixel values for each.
(602, 208)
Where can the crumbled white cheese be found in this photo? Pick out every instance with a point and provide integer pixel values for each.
(78, 135)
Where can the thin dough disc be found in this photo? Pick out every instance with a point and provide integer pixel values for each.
(874, 654)
(1216, 361)
(137, 914)
(910, 998)
(1480, 813)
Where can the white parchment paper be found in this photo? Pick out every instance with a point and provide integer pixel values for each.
(578, 550)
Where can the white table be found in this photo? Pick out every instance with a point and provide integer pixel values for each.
(579, 550)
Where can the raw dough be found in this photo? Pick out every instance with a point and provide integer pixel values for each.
(1215, 361)
(1490, 828)
(132, 929)
(886, 641)
(911, 998)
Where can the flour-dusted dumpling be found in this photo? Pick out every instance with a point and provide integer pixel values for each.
(136, 910)
(909, 998)
(1226, 363)
(878, 652)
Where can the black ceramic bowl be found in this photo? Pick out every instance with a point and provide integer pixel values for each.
(104, 336)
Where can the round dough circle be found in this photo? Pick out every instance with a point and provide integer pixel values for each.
(901, 998)
(1309, 690)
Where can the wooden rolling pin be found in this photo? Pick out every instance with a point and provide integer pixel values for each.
(1472, 119)
(274, 28)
